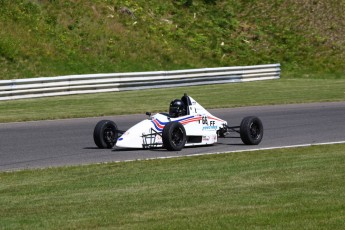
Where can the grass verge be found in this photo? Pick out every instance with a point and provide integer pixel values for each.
(283, 91)
(284, 189)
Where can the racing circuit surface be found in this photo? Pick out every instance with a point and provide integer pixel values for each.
(70, 142)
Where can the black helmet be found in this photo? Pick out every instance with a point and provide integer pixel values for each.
(177, 108)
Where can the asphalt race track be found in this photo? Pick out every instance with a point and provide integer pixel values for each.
(70, 142)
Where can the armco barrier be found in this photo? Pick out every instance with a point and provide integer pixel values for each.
(97, 83)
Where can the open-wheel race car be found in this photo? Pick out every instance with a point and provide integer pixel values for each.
(186, 124)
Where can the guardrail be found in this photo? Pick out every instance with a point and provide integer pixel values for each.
(97, 83)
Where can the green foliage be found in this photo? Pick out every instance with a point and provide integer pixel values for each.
(8, 48)
(49, 38)
(186, 3)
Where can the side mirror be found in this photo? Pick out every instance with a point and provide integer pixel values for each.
(148, 114)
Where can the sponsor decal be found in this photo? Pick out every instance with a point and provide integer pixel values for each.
(209, 128)
(212, 138)
(206, 138)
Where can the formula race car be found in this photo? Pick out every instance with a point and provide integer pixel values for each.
(186, 124)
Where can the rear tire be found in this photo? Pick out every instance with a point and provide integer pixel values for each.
(105, 134)
(251, 130)
(174, 136)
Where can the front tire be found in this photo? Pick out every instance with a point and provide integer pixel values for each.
(251, 130)
(174, 136)
(105, 134)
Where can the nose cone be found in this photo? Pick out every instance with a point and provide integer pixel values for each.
(135, 137)
(129, 140)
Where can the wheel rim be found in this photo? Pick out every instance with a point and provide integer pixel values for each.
(109, 135)
(254, 130)
(177, 137)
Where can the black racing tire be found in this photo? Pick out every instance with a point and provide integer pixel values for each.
(105, 134)
(251, 130)
(174, 136)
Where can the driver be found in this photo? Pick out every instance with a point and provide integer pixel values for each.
(177, 108)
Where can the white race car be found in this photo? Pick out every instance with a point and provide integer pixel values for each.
(186, 124)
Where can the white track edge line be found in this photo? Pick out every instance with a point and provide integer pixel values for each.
(195, 155)
(235, 151)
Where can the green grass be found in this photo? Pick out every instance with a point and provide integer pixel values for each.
(52, 38)
(283, 91)
(300, 188)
